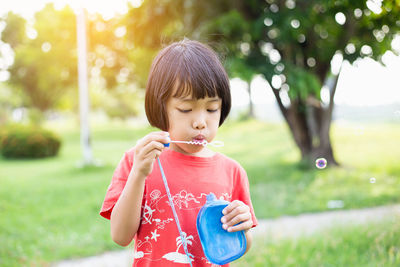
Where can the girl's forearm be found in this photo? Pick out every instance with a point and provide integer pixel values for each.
(125, 217)
(249, 239)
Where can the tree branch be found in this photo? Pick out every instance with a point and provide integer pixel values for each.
(280, 104)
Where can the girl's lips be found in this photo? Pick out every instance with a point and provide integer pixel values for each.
(199, 138)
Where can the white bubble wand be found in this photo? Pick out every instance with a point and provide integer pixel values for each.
(214, 143)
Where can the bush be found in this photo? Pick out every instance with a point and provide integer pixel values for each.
(20, 141)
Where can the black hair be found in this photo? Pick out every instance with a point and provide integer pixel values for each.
(193, 69)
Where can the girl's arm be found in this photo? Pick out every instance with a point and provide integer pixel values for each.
(125, 216)
(249, 239)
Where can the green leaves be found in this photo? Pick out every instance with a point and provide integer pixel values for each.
(302, 83)
(230, 23)
(45, 62)
(306, 34)
(238, 68)
(14, 32)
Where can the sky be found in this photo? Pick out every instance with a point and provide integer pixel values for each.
(28, 7)
(365, 83)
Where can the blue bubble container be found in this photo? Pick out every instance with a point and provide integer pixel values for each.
(219, 246)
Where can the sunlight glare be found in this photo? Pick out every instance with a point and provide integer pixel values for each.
(240, 95)
(336, 63)
(350, 48)
(261, 92)
(325, 95)
(46, 47)
(295, 23)
(396, 43)
(340, 18)
(107, 9)
(375, 6)
(285, 98)
(368, 83)
(276, 82)
(136, 3)
(31, 33)
(366, 50)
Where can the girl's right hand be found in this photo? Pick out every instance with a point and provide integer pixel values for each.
(147, 150)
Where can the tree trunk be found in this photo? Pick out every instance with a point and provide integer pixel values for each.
(297, 122)
(251, 106)
(309, 124)
(321, 148)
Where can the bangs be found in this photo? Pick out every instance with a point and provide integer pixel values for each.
(193, 74)
(185, 88)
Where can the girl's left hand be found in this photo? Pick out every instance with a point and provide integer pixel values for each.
(236, 217)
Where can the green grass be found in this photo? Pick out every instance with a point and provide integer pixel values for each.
(370, 245)
(49, 207)
(279, 186)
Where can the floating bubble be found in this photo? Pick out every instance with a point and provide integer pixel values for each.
(335, 204)
(321, 163)
(372, 180)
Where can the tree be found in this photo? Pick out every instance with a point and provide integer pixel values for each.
(112, 68)
(44, 72)
(291, 43)
(45, 61)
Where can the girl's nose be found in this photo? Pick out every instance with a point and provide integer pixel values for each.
(199, 123)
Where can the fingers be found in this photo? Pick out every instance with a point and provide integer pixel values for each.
(147, 149)
(153, 141)
(240, 227)
(152, 149)
(236, 217)
(162, 137)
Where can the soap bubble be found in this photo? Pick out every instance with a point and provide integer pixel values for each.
(372, 180)
(321, 163)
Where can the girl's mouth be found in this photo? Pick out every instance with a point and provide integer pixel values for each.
(199, 138)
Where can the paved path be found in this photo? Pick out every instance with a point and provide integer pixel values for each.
(273, 229)
(306, 224)
(121, 258)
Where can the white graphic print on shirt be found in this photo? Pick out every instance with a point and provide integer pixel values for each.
(180, 257)
(156, 205)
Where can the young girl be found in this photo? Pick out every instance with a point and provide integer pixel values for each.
(188, 98)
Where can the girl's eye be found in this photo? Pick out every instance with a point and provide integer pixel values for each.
(212, 110)
(184, 110)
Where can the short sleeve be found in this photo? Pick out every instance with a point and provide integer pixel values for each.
(117, 184)
(241, 192)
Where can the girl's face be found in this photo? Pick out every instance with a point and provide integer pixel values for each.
(193, 120)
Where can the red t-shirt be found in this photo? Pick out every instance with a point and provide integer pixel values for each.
(190, 179)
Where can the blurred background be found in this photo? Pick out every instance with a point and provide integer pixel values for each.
(316, 93)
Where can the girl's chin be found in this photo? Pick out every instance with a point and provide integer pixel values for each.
(188, 149)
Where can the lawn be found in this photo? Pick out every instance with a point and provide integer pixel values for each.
(279, 186)
(49, 207)
(371, 245)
